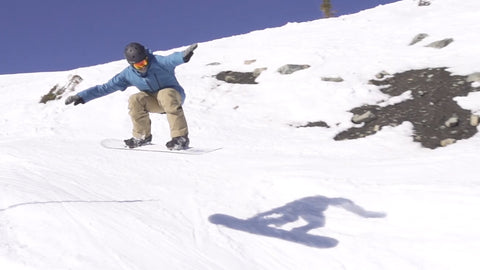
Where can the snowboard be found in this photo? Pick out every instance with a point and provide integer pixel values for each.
(120, 145)
(252, 226)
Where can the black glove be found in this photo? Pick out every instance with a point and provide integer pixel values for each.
(187, 54)
(75, 99)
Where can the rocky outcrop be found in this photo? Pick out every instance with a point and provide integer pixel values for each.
(240, 77)
(437, 119)
(290, 68)
(57, 91)
(314, 124)
(249, 77)
(474, 77)
(332, 79)
(440, 43)
(424, 3)
(418, 38)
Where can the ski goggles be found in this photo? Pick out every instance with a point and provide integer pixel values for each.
(141, 64)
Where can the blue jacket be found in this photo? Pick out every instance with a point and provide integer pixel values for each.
(160, 75)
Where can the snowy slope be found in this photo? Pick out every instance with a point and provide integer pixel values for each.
(387, 203)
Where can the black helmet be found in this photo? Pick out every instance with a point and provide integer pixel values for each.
(135, 52)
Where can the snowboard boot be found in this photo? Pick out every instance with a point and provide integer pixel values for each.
(134, 142)
(178, 143)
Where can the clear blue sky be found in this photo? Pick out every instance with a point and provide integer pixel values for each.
(54, 35)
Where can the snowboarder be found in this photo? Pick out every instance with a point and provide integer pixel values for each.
(160, 92)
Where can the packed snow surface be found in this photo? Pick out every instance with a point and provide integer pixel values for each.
(296, 198)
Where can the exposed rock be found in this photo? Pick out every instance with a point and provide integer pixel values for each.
(237, 77)
(431, 109)
(474, 120)
(440, 44)
(249, 62)
(452, 121)
(362, 118)
(382, 74)
(424, 3)
(447, 142)
(240, 77)
(474, 77)
(332, 79)
(258, 71)
(57, 91)
(418, 38)
(315, 124)
(214, 64)
(289, 69)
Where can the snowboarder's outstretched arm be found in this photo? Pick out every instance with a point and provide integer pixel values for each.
(120, 81)
(116, 83)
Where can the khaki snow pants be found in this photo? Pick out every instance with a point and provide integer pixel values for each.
(166, 101)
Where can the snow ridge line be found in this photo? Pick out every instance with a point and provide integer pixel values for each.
(74, 201)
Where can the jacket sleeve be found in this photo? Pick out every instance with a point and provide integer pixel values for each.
(171, 60)
(116, 83)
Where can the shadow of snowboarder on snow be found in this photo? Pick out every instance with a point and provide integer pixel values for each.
(310, 209)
